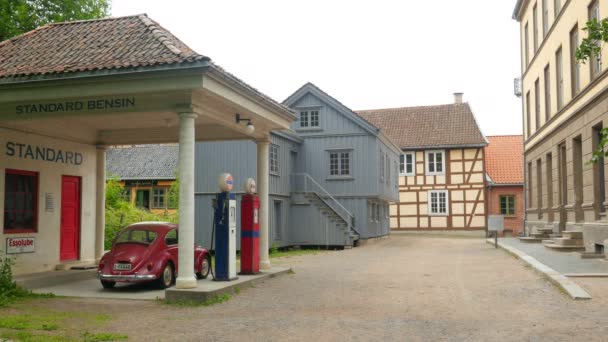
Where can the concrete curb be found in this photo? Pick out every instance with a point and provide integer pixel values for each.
(51, 278)
(558, 279)
(209, 291)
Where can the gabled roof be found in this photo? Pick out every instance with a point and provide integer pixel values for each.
(309, 87)
(142, 162)
(87, 45)
(504, 159)
(442, 126)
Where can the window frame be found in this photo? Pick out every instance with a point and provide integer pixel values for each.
(273, 162)
(595, 62)
(308, 116)
(507, 207)
(35, 198)
(154, 205)
(430, 199)
(428, 172)
(404, 163)
(340, 163)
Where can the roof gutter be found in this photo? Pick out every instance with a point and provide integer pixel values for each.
(438, 147)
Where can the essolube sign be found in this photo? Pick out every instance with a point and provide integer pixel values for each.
(25, 151)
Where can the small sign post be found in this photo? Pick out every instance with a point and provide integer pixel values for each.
(496, 224)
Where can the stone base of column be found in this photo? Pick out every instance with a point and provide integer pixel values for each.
(185, 283)
(265, 265)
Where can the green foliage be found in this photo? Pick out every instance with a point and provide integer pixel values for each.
(99, 337)
(591, 46)
(192, 303)
(20, 16)
(173, 194)
(9, 290)
(120, 213)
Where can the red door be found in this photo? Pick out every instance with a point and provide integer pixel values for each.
(70, 218)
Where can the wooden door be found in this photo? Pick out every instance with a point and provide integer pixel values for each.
(70, 218)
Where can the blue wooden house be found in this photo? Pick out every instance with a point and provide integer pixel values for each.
(332, 176)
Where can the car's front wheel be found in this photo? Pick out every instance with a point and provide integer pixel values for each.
(205, 267)
(166, 277)
(108, 284)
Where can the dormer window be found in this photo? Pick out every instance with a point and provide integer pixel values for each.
(309, 119)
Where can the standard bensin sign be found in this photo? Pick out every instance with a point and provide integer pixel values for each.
(20, 245)
(76, 106)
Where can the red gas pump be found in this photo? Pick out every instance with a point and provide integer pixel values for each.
(250, 230)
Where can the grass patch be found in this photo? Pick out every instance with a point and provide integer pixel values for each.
(103, 337)
(287, 252)
(193, 304)
(27, 336)
(291, 271)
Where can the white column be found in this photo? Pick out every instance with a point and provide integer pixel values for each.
(185, 278)
(262, 185)
(100, 204)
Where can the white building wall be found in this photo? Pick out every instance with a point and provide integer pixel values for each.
(47, 237)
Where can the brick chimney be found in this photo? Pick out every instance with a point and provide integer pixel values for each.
(458, 98)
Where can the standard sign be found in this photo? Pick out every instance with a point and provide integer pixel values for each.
(20, 245)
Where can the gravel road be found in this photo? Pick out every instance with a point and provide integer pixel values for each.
(404, 288)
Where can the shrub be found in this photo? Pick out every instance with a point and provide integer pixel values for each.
(9, 290)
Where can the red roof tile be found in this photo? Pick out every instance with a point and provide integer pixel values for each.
(504, 159)
(110, 43)
(450, 125)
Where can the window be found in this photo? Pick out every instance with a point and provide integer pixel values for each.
(539, 187)
(125, 194)
(434, 163)
(339, 163)
(136, 236)
(381, 172)
(535, 28)
(547, 82)
(20, 201)
(537, 104)
(396, 175)
(274, 159)
(388, 169)
(595, 61)
(158, 198)
(407, 162)
(530, 184)
(438, 202)
(545, 18)
(528, 114)
(526, 45)
(377, 205)
(575, 73)
(560, 78)
(171, 238)
(557, 8)
(309, 118)
(507, 205)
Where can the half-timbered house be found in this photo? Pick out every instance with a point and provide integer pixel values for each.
(442, 170)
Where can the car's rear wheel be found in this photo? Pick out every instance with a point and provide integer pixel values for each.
(108, 284)
(205, 267)
(166, 277)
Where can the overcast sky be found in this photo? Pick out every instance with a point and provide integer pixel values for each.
(367, 54)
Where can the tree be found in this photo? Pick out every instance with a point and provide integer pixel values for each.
(20, 16)
(591, 47)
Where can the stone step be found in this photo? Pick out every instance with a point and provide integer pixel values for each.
(572, 234)
(563, 248)
(544, 230)
(569, 242)
(540, 235)
(530, 239)
(548, 241)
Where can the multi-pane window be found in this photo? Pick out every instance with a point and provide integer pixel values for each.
(339, 163)
(381, 171)
(388, 170)
(20, 201)
(560, 78)
(309, 118)
(535, 27)
(526, 44)
(274, 159)
(125, 194)
(575, 73)
(557, 7)
(438, 202)
(528, 114)
(435, 162)
(545, 10)
(406, 164)
(537, 104)
(158, 198)
(547, 82)
(507, 205)
(596, 61)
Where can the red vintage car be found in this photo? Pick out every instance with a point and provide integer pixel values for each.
(147, 251)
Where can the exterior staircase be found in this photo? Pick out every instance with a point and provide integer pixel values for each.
(569, 241)
(539, 236)
(335, 226)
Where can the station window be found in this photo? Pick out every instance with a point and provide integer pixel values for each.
(158, 198)
(407, 162)
(274, 159)
(339, 163)
(20, 201)
(507, 205)
(438, 202)
(435, 162)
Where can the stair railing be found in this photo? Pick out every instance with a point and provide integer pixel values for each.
(303, 182)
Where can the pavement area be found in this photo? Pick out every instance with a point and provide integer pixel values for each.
(568, 263)
(404, 288)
